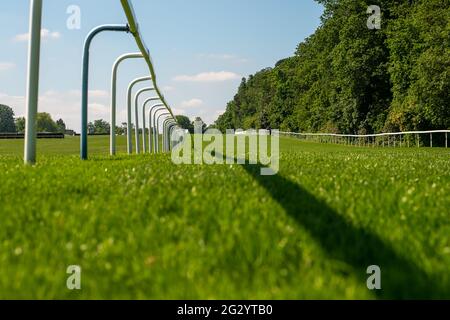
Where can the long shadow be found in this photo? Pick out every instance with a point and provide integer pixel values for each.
(359, 248)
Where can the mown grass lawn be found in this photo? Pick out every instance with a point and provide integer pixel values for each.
(141, 227)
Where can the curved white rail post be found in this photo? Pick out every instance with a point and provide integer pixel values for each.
(170, 125)
(144, 115)
(85, 81)
(151, 122)
(156, 129)
(163, 133)
(34, 50)
(158, 121)
(166, 124)
(129, 125)
(112, 139)
(136, 117)
(167, 135)
(171, 133)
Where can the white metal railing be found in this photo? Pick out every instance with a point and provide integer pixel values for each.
(134, 29)
(33, 77)
(381, 139)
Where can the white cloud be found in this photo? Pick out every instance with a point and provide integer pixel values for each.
(168, 89)
(100, 109)
(45, 34)
(17, 103)
(178, 111)
(98, 94)
(4, 66)
(192, 103)
(208, 77)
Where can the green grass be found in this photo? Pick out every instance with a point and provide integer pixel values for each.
(141, 227)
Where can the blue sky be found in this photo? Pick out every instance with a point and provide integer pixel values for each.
(201, 49)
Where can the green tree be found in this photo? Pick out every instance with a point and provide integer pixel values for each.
(347, 78)
(91, 128)
(45, 123)
(7, 124)
(20, 124)
(61, 126)
(185, 123)
(101, 127)
(419, 44)
(122, 130)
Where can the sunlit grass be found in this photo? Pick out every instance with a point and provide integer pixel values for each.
(141, 227)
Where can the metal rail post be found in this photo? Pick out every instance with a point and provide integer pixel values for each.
(112, 139)
(34, 51)
(129, 125)
(165, 126)
(144, 115)
(158, 127)
(155, 130)
(171, 127)
(136, 117)
(166, 132)
(85, 81)
(151, 120)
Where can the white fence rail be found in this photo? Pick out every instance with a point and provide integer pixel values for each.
(389, 139)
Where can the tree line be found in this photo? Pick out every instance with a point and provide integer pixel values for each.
(347, 78)
(45, 123)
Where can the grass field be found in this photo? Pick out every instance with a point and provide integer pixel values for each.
(141, 227)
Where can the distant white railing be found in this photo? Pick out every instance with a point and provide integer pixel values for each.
(400, 139)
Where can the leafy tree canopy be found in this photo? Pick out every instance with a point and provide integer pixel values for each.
(185, 123)
(99, 127)
(350, 79)
(7, 124)
(45, 123)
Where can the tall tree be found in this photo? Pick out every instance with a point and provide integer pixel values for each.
(61, 126)
(185, 123)
(419, 44)
(7, 124)
(20, 124)
(349, 78)
(101, 127)
(45, 123)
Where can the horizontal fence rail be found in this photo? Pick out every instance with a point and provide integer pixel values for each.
(136, 32)
(134, 29)
(39, 135)
(388, 139)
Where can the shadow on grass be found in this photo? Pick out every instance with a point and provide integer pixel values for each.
(359, 248)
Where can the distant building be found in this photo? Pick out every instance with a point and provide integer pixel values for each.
(70, 133)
